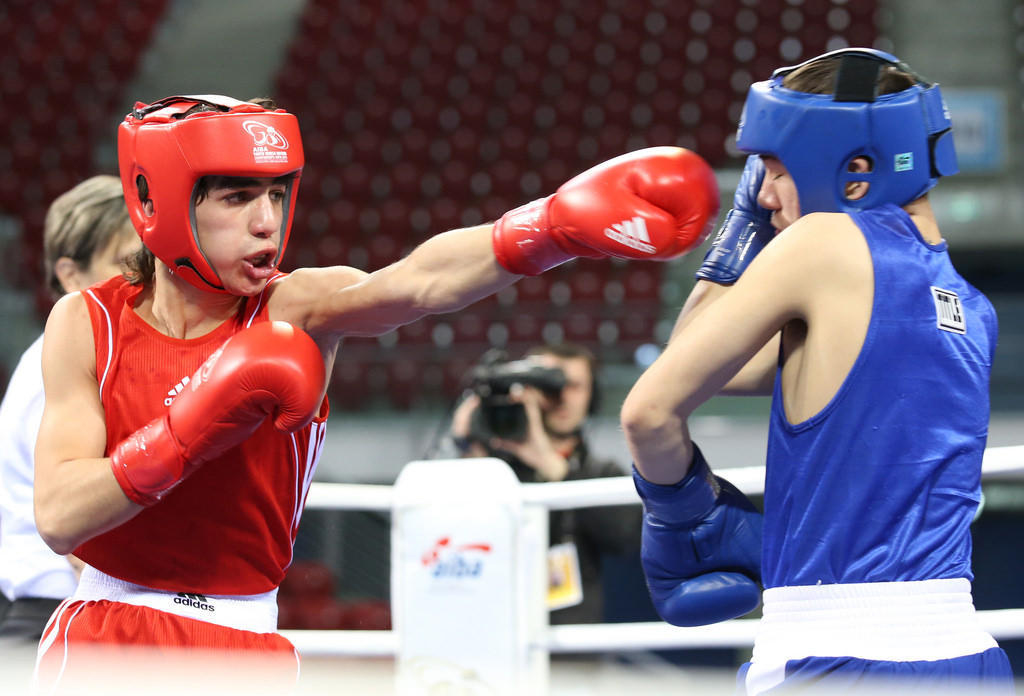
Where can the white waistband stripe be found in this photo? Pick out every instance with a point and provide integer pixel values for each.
(257, 613)
(897, 621)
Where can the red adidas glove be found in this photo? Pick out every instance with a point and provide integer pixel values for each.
(271, 368)
(655, 203)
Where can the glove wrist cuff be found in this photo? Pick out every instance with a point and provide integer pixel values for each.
(148, 463)
(522, 240)
(681, 503)
(738, 241)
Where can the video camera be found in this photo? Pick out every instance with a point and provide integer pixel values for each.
(492, 380)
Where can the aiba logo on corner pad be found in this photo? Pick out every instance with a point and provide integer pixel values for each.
(447, 560)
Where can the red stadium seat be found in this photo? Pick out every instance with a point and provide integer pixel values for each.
(580, 326)
(456, 373)
(524, 328)
(415, 145)
(469, 327)
(344, 216)
(532, 289)
(319, 613)
(403, 384)
(553, 173)
(642, 282)
(405, 180)
(481, 75)
(444, 214)
(355, 180)
(307, 579)
(10, 189)
(612, 139)
(350, 386)
(493, 207)
(394, 223)
(586, 284)
(365, 76)
(368, 615)
(505, 175)
(366, 149)
(416, 333)
(455, 175)
(330, 250)
(637, 324)
(465, 145)
(288, 615)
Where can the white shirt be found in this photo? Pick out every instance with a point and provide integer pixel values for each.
(28, 568)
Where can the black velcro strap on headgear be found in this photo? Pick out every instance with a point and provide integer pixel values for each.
(168, 101)
(855, 81)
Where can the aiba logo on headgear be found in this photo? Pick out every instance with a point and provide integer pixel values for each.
(446, 560)
(269, 144)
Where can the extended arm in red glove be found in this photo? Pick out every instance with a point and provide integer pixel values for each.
(655, 203)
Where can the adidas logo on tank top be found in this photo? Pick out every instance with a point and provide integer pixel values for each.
(175, 390)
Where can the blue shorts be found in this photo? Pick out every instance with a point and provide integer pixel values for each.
(984, 673)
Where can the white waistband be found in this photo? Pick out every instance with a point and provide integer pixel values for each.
(257, 613)
(904, 621)
(896, 621)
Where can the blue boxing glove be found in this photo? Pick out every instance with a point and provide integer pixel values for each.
(701, 547)
(745, 231)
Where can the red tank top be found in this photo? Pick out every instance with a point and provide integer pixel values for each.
(229, 528)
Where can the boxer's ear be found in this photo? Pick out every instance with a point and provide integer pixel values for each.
(858, 189)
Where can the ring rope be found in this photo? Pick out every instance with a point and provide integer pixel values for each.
(998, 462)
(1003, 624)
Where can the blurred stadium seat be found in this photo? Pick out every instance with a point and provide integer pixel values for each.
(308, 599)
(419, 118)
(62, 74)
(404, 105)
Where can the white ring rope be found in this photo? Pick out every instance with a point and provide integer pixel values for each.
(998, 463)
(616, 637)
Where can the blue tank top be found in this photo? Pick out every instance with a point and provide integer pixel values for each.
(882, 484)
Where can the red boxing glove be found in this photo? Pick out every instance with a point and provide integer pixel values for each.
(271, 368)
(655, 203)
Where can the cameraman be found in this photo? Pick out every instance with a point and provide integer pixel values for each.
(551, 447)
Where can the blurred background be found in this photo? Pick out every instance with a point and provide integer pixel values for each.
(423, 115)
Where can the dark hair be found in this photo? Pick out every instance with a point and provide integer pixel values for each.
(820, 76)
(214, 181)
(568, 351)
(141, 266)
(265, 102)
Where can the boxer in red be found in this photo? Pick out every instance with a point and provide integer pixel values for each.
(157, 463)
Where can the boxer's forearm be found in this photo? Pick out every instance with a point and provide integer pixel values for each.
(76, 500)
(443, 274)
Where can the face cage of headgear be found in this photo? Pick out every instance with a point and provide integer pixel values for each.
(906, 135)
(173, 152)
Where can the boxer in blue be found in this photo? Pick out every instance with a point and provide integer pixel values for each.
(829, 286)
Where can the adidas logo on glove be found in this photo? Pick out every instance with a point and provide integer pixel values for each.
(631, 233)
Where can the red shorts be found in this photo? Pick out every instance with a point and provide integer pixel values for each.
(125, 646)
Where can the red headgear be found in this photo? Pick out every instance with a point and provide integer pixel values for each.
(173, 151)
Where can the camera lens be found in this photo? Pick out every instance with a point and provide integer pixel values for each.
(507, 420)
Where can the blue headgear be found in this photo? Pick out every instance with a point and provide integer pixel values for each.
(907, 135)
